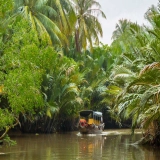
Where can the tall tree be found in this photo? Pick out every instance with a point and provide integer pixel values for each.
(88, 28)
(121, 28)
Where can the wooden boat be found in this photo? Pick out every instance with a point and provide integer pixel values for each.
(91, 122)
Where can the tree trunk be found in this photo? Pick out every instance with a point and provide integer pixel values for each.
(77, 41)
(151, 135)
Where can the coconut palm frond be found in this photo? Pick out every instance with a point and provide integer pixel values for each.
(48, 11)
(52, 108)
(70, 70)
(51, 26)
(134, 121)
(133, 106)
(70, 88)
(113, 90)
(147, 78)
(148, 119)
(38, 13)
(154, 65)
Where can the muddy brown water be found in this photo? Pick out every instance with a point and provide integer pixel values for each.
(111, 145)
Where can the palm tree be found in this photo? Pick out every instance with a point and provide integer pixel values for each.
(61, 89)
(88, 28)
(37, 13)
(121, 28)
(65, 17)
(137, 76)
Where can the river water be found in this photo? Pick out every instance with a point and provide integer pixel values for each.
(111, 145)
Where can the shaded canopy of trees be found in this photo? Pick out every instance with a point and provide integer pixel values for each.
(38, 82)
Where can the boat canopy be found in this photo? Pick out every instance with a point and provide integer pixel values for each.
(86, 113)
(98, 114)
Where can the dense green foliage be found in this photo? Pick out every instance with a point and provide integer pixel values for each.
(37, 81)
(44, 79)
(135, 76)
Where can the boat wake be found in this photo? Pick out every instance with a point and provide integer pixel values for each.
(111, 132)
(90, 135)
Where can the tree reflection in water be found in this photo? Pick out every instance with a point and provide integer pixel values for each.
(112, 145)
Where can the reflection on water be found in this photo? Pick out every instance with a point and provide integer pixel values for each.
(111, 145)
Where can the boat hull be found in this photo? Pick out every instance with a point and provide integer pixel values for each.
(91, 129)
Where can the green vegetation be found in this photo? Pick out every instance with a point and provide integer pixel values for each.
(135, 75)
(39, 82)
(52, 65)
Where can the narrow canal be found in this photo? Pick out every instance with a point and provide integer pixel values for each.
(111, 145)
